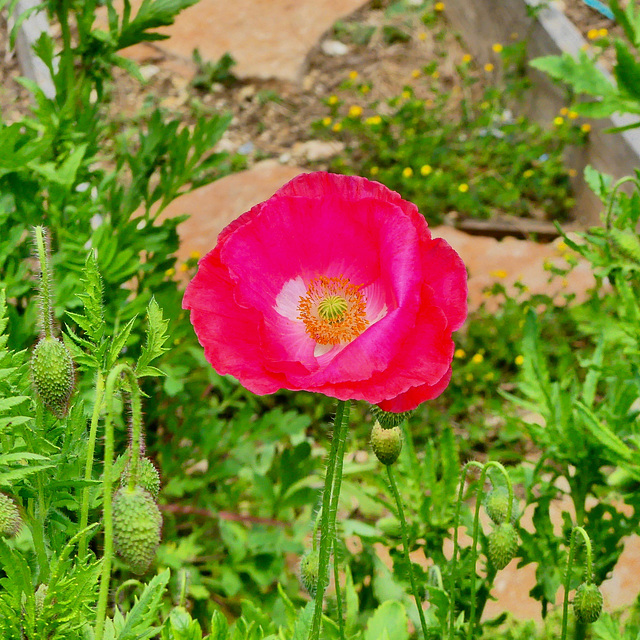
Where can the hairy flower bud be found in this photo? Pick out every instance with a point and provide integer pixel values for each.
(386, 443)
(587, 602)
(136, 527)
(496, 504)
(503, 545)
(389, 419)
(52, 373)
(309, 568)
(148, 476)
(10, 520)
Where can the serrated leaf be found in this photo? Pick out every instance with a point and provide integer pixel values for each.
(12, 401)
(627, 70)
(156, 338)
(118, 342)
(389, 620)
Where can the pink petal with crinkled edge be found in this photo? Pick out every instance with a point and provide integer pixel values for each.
(227, 331)
(415, 396)
(447, 277)
(423, 358)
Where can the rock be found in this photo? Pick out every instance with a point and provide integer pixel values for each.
(314, 150)
(334, 48)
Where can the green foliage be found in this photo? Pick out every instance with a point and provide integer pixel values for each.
(584, 76)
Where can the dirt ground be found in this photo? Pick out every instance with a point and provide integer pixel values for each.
(272, 118)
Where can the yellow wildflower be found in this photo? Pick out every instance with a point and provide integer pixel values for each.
(353, 75)
(490, 376)
(407, 172)
(355, 111)
(519, 360)
(195, 255)
(498, 273)
(374, 171)
(558, 121)
(365, 88)
(406, 94)
(326, 121)
(573, 115)
(463, 188)
(497, 47)
(459, 353)
(585, 128)
(169, 272)
(373, 120)
(439, 6)
(564, 111)
(184, 267)
(592, 34)
(467, 58)
(572, 173)
(422, 35)
(337, 127)
(333, 100)
(488, 67)
(477, 358)
(435, 74)
(603, 33)
(416, 73)
(469, 377)
(425, 169)
(528, 173)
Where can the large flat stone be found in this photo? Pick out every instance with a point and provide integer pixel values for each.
(267, 38)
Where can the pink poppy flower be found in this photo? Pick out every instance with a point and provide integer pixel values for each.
(333, 285)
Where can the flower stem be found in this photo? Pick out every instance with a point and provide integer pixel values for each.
(332, 482)
(454, 558)
(405, 545)
(88, 469)
(112, 379)
(45, 283)
(567, 578)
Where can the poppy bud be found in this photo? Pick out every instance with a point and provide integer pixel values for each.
(386, 443)
(10, 520)
(52, 373)
(148, 477)
(587, 602)
(503, 545)
(309, 569)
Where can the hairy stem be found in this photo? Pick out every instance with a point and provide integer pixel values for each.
(105, 576)
(88, 468)
(576, 531)
(45, 283)
(329, 508)
(405, 545)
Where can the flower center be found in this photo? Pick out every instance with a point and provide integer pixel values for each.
(333, 311)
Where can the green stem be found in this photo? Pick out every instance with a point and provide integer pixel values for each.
(112, 380)
(88, 468)
(567, 578)
(612, 195)
(405, 545)
(136, 436)
(45, 283)
(329, 500)
(454, 559)
(476, 535)
(336, 579)
(39, 532)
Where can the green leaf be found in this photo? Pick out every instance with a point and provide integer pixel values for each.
(154, 347)
(118, 343)
(627, 70)
(388, 621)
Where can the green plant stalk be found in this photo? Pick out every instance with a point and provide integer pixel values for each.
(336, 580)
(136, 435)
(476, 535)
(112, 379)
(88, 469)
(405, 546)
(327, 527)
(45, 283)
(612, 196)
(567, 578)
(456, 546)
(38, 532)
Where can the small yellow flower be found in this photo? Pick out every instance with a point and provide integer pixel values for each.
(477, 358)
(592, 34)
(184, 267)
(572, 115)
(406, 94)
(565, 283)
(373, 120)
(498, 273)
(497, 47)
(326, 121)
(459, 353)
(528, 173)
(463, 188)
(469, 377)
(169, 272)
(333, 100)
(558, 121)
(355, 111)
(484, 105)
(374, 171)
(564, 111)
(353, 75)
(425, 169)
(439, 6)
(562, 246)
(337, 127)
(603, 33)
(365, 88)
(572, 173)
(467, 58)
(195, 255)
(422, 35)
(585, 128)
(407, 172)
(435, 74)
(416, 73)
(488, 67)
(519, 360)
(489, 376)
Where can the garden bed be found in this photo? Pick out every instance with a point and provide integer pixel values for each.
(549, 33)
